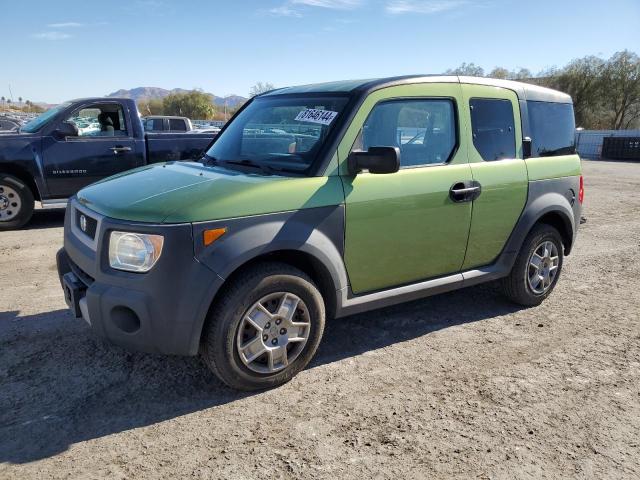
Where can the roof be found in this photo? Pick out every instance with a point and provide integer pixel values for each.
(525, 91)
(99, 99)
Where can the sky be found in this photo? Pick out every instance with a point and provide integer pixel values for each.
(58, 50)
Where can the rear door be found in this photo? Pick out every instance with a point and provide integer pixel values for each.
(495, 156)
(404, 227)
(104, 146)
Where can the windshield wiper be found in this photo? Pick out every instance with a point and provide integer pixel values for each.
(250, 163)
(209, 160)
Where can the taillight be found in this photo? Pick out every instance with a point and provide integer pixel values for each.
(581, 191)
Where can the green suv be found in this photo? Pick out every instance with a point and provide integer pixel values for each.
(322, 201)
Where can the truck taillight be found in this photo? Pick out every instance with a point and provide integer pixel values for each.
(581, 191)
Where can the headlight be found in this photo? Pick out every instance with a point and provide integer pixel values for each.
(134, 252)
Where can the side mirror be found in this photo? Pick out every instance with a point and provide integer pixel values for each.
(376, 160)
(526, 147)
(66, 129)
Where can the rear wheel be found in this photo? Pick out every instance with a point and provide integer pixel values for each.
(265, 328)
(537, 267)
(16, 203)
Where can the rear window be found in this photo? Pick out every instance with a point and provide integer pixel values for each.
(493, 128)
(552, 128)
(153, 125)
(177, 125)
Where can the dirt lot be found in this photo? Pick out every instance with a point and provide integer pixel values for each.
(462, 385)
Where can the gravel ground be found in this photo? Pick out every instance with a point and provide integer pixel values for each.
(463, 385)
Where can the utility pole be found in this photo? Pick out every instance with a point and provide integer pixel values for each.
(10, 93)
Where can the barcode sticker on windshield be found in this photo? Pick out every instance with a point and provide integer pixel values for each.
(324, 117)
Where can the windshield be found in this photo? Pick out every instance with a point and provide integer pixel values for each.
(279, 133)
(38, 122)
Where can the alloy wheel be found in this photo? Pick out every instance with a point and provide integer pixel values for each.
(273, 332)
(543, 267)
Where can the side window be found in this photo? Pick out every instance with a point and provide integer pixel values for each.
(100, 121)
(177, 125)
(424, 130)
(552, 128)
(493, 128)
(154, 125)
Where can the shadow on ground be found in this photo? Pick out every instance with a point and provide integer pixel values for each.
(61, 386)
(46, 218)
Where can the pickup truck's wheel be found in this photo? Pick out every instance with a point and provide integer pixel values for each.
(16, 203)
(265, 328)
(537, 267)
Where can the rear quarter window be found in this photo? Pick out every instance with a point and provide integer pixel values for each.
(552, 128)
(177, 125)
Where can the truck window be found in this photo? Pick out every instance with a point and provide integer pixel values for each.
(424, 130)
(552, 128)
(177, 125)
(100, 121)
(493, 128)
(153, 125)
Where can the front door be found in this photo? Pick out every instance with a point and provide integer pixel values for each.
(405, 227)
(104, 146)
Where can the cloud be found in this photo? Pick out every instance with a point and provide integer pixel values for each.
(51, 36)
(291, 7)
(284, 11)
(65, 25)
(399, 7)
(333, 4)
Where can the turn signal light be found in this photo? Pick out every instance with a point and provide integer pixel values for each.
(210, 236)
(581, 191)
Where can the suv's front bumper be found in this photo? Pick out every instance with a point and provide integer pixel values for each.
(161, 311)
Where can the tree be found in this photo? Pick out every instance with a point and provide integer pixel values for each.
(621, 89)
(522, 74)
(499, 72)
(153, 106)
(19, 99)
(583, 80)
(194, 104)
(468, 69)
(260, 88)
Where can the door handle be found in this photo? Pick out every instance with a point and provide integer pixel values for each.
(465, 191)
(118, 149)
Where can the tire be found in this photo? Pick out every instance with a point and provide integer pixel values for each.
(518, 286)
(231, 337)
(16, 203)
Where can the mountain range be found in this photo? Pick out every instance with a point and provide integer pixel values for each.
(150, 93)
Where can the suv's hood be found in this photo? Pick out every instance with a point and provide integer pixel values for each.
(189, 192)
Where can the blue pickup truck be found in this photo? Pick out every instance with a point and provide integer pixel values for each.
(78, 143)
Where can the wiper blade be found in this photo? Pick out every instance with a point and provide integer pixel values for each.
(249, 163)
(209, 160)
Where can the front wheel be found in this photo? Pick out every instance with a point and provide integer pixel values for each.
(537, 267)
(16, 203)
(265, 328)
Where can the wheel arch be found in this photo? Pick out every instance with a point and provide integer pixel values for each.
(550, 202)
(558, 220)
(311, 240)
(23, 175)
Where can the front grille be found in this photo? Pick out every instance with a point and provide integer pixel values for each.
(86, 224)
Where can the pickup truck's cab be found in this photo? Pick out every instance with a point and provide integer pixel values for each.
(75, 144)
(327, 200)
(166, 124)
